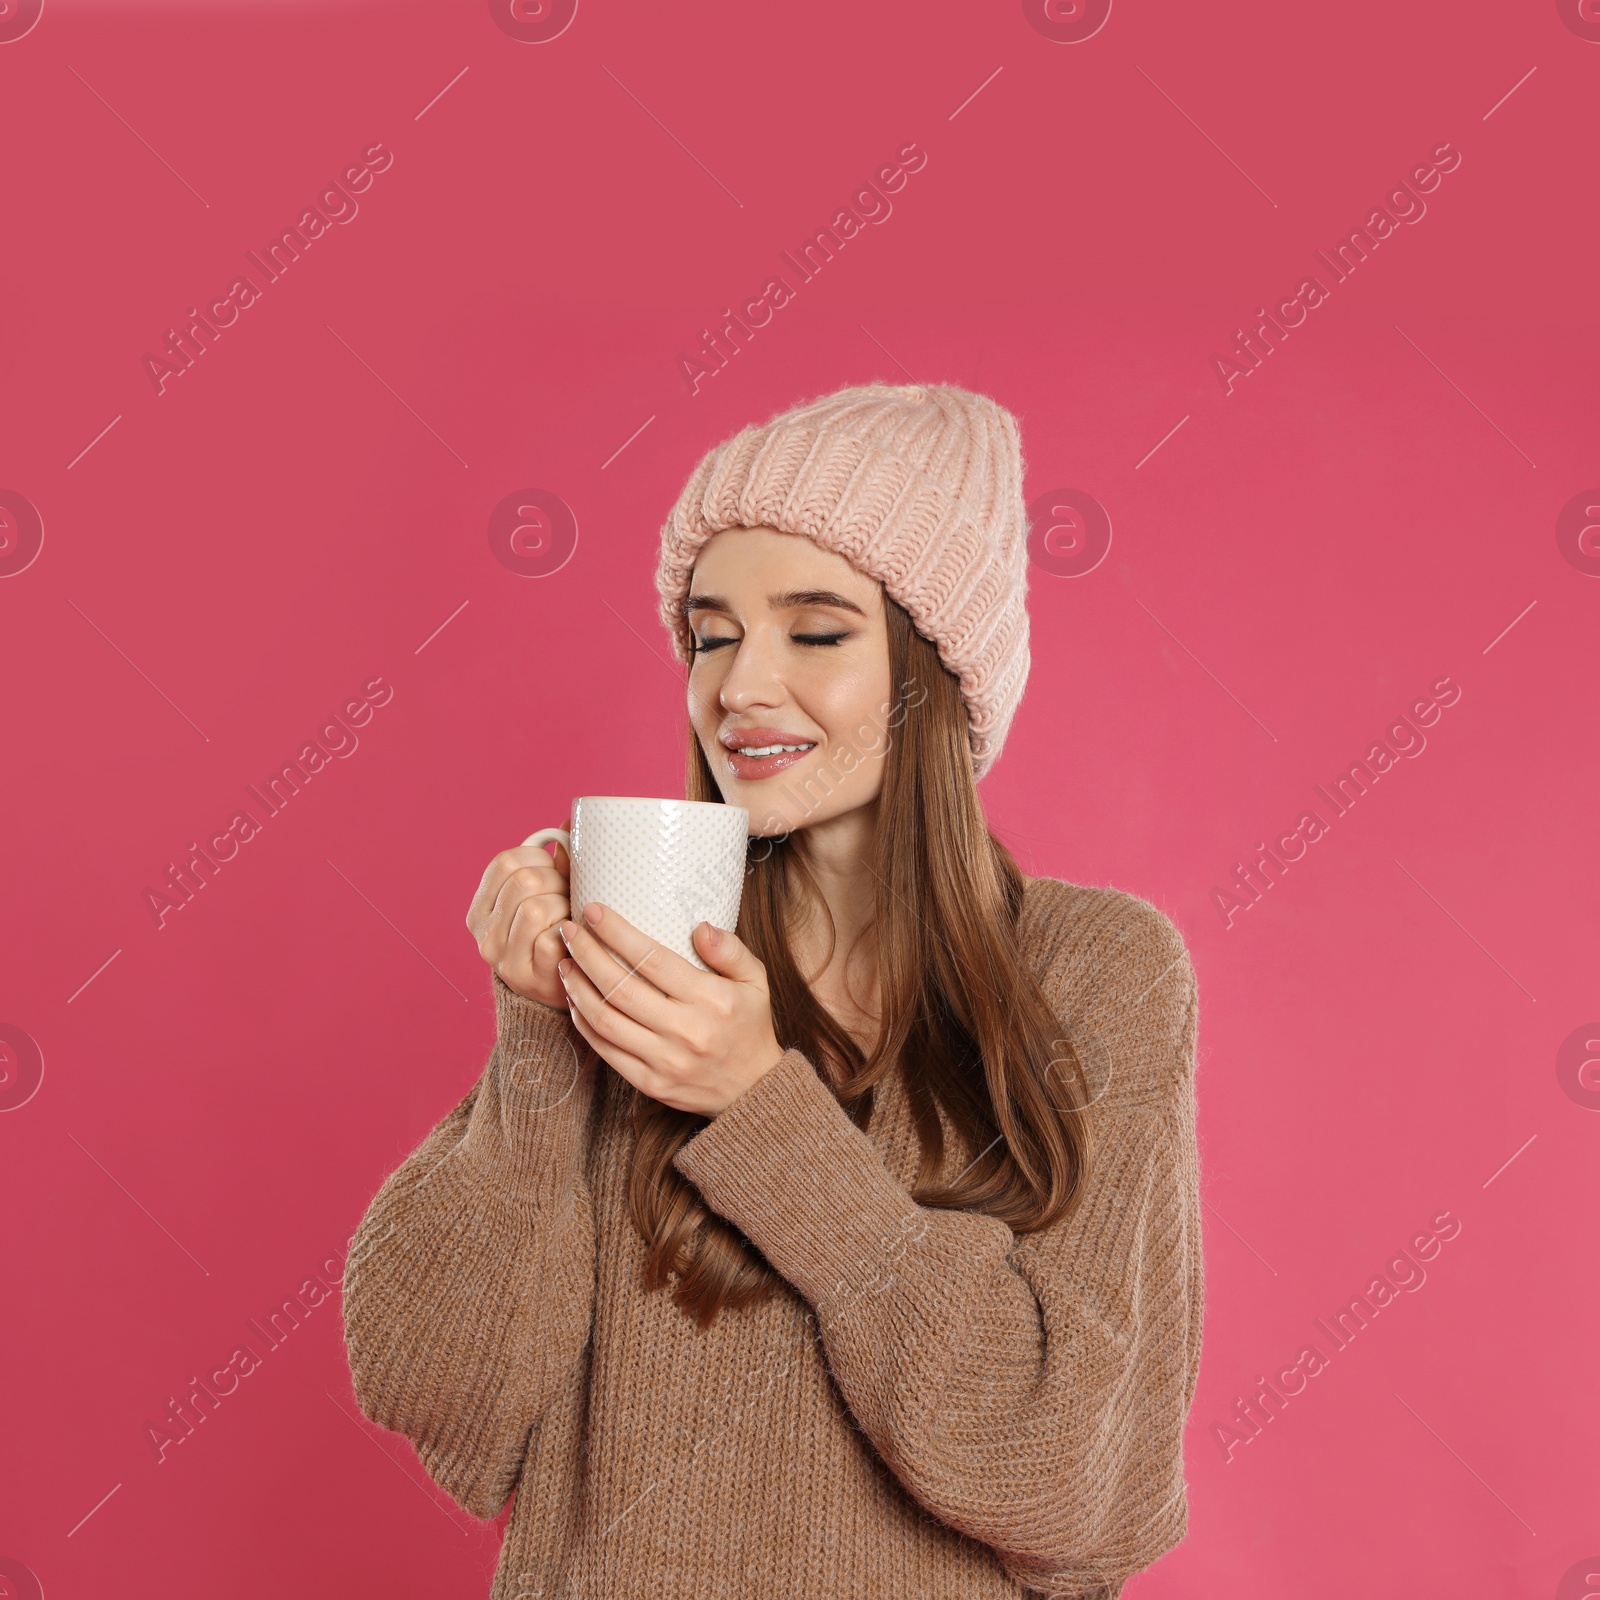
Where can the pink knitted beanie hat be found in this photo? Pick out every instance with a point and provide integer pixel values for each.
(918, 486)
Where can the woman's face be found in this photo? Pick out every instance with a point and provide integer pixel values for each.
(792, 648)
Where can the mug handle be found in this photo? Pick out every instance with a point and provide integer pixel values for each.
(545, 835)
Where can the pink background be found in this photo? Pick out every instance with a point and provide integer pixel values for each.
(307, 509)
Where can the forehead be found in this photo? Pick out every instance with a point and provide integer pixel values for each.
(752, 561)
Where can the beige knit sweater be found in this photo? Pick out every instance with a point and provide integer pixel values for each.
(933, 1409)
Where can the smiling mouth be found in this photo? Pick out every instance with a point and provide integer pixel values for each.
(753, 762)
(756, 751)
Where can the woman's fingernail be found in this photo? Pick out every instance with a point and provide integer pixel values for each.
(566, 934)
(563, 968)
(591, 914)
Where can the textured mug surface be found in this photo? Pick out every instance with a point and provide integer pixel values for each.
(666, 865)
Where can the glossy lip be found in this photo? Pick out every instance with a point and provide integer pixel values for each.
(737, 738)
(751, 770)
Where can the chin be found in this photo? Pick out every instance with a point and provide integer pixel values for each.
(778, 805)
(768, 823)
(773, 833)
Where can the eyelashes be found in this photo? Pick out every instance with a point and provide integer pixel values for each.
(703, 647)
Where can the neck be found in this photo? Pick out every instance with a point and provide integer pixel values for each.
(837, 853)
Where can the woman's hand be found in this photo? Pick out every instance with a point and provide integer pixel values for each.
(520, 903)
(693, 1040)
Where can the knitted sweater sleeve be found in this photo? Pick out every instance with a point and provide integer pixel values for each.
(1030, 1391)
(469, 1286)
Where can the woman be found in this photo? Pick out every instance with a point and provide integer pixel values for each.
(866, 1263)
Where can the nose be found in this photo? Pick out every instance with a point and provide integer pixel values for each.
(753, 678)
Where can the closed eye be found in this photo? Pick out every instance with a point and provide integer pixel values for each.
(702, 646)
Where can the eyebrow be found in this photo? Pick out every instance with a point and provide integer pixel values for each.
(779, 602)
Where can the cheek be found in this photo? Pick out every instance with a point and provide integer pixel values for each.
(849, 704)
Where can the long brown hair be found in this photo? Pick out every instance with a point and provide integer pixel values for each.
(960, 1007)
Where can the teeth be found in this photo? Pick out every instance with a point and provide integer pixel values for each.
(755, 751)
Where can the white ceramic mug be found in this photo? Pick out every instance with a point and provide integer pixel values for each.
(666, 865)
